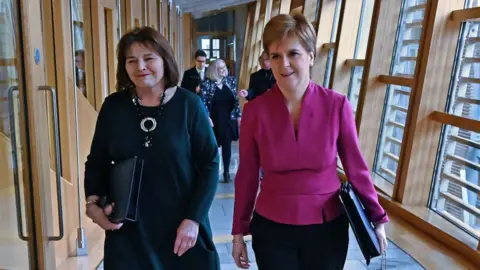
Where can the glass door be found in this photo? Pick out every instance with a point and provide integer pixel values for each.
(30, 192)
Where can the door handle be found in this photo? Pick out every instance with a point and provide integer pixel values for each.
(16, 177)
(58, 172)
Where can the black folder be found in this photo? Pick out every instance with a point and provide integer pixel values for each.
(362, 227)
(124, 183)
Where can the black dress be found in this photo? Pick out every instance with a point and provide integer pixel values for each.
(179, 181)
(224, 127)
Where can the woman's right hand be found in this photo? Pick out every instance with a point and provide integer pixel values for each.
(100, 216)
(240, 253)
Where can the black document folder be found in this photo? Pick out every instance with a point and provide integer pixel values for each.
(361, 226)
(124, 188)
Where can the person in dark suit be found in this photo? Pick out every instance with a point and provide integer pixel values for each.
(260, 81)
(192, 78)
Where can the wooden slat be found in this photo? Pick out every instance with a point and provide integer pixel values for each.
(461, 182)
(395, 80)
(414, 24)
(464, 141)
(394, 123)
(330, 45)
(355, 62)
(408, 59)
(456, 121)
(463, 161)
(401, 92)
(410, 41)
(469, 80)
(465, 14)
(400, 108)
(392, 156)
(461, 203)
(394, 140)
(389, 172)
(473, 39)
(415, 8)
(468, 60)
(7, 62)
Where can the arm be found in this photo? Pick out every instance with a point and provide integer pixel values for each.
(184, 80)
(251, 89)
(355, 165)
(98, 161)
(205, 94)
(236, 109)
(205, 156)
(247, 179)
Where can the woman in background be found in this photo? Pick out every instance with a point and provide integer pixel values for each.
(294, 131)
(219, 93)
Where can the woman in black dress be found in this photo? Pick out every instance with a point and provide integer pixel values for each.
(219, 93)
(168, 127)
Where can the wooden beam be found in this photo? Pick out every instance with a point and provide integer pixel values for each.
(395, 80)
(354, 63)
(456, 121)
(465, 14)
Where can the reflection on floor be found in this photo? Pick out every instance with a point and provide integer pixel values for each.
(221, 219)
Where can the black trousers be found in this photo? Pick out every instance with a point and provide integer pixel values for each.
(291, 247)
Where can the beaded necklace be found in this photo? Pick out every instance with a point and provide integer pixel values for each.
(148, 123)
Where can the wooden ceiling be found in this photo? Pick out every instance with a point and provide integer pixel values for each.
(201, 7)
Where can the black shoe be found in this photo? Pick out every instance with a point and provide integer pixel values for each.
(226, 178)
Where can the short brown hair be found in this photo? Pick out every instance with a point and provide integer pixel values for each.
(285, 25)
(152, 39)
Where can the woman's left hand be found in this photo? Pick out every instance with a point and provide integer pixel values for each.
(187, 234)
(382, 237)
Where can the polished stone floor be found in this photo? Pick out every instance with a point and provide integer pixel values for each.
(221, 219)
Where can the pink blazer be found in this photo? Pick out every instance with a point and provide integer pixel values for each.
(300, 184)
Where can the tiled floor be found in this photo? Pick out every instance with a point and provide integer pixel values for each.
(221, 219)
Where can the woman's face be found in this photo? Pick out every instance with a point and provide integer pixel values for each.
(290, 63)
(144, 66)
(222, 70)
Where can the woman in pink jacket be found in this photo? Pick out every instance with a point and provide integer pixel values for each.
(294, 132)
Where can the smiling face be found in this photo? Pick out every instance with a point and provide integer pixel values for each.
(290, 63)
(145, 67)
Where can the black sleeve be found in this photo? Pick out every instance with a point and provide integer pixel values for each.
(98, 161)
(184, 80)
(206, 160)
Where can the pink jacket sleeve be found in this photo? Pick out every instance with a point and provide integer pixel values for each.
(247, 178)
(355, 165)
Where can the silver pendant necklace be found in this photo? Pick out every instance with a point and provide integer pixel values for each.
(148, 123)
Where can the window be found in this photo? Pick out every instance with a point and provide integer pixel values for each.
(360, 52)
(456, 185)
(333, 37)
(397, 98)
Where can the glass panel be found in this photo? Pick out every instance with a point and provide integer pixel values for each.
(465, 95)
(79, 46)
(364, 29)
(216, 54)
(409, 33)
(336, 18)
(317, 10)
(328, 69)
(473, 3)
(216, 44)
(456, 187)
(205, 44)
(391, 134)
(14, 253)
(354, 88)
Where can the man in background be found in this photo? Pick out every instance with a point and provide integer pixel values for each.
(261, 80)
(194, 76)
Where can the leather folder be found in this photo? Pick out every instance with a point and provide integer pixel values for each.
(361, 226)
(124, 183)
